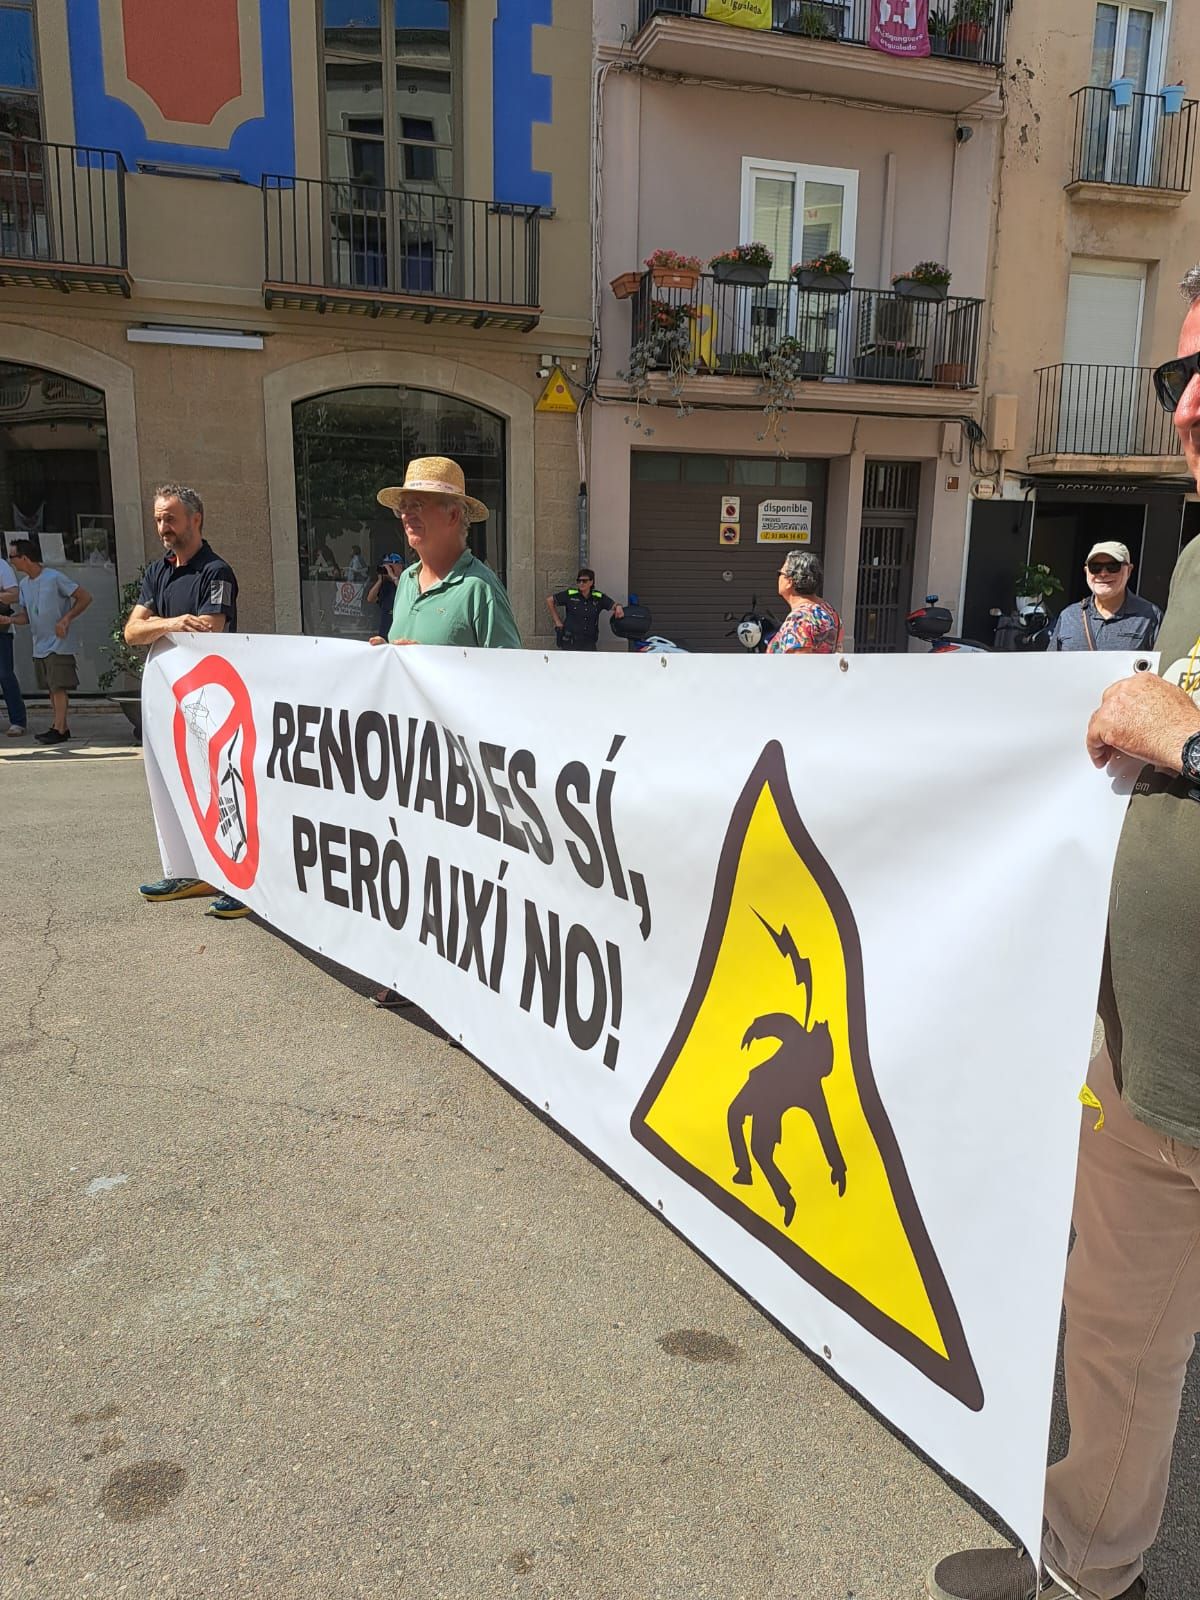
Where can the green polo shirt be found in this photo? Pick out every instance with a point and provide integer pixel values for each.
(468, 607)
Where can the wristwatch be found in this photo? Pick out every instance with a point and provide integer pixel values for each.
(1190, 759)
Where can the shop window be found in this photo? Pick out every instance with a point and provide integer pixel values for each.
(754, 470)
(705, 469)
(354, 442)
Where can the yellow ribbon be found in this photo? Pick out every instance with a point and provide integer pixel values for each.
(1087, 1098)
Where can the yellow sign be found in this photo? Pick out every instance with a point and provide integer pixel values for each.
(741, 13)
(557, 396)
(704, 333)
(765, 1100)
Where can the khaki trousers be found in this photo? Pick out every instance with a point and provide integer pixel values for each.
(1133, 1310)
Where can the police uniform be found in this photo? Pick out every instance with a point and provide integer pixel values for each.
(581, 614)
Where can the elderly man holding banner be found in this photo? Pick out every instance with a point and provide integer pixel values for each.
(446, 596)
(1133, 1280)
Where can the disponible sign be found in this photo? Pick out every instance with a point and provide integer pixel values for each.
(785, 522)
(733, 1016)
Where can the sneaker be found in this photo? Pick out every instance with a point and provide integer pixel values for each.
(52, 736)
(1003, 1575)
(15, 732)
(226, 907)
(175, 889)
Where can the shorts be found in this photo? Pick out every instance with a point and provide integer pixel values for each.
(55, 672)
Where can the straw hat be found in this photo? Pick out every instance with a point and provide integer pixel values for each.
(434, 475)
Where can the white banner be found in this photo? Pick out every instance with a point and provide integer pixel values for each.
(805, 950)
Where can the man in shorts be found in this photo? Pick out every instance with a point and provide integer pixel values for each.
(48, 603)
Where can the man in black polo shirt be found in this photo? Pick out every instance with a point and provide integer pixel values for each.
(579, 626)
(191, 590)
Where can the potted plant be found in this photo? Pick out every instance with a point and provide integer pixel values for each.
(1035, 582)
(830, 273)
(747, 264)
(121, 680)
(890, 361)
(665, 342)
(1122, 92)
(950, 374)
(928, 280)
(816, 19)
(939, 33)
(808, 363)
(669, 270)
(626, 284)
(968, 25)
(1172, 96)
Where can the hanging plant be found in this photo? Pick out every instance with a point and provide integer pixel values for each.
(665, 345)
(780, 368)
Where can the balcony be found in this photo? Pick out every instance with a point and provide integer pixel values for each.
(822, 46)
(1102, 421)
(818, 337)
(360, 250)
(62, 217)
(1134, 154)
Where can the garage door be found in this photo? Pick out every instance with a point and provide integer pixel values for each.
(678, 564)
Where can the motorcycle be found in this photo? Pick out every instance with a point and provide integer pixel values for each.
(931, 623)
(634, 627)
(1025, 629)
(754, 630)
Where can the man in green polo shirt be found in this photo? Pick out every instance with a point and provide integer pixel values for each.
(447, 596)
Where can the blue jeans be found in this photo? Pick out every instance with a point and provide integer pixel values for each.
(8, 681)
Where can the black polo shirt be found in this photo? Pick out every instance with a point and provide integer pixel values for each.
(582, 613)
(203, 587)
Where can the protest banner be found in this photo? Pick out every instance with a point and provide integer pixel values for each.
(805, 950)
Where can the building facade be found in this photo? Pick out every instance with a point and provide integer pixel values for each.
(1097, 224)
(734, 419)
(274, 250)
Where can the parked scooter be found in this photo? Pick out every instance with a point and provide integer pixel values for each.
(1025, 629)
(634, 627)
(754, 630)
(932, 623)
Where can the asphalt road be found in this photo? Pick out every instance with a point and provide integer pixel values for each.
(297, 1301)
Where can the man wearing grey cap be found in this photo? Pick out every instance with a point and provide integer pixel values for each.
(1110, 618)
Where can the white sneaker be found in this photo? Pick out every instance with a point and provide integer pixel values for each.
(16, 733)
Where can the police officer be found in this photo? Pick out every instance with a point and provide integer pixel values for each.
(578, 626)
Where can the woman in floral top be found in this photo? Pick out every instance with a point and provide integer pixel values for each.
(812, 624)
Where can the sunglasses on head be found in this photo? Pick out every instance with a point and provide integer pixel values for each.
(1172, 379)
(1110, 567)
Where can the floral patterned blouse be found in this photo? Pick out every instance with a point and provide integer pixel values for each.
(815, 628)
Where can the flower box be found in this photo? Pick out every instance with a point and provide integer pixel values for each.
(822, 282)
(675, 278)
(626, 285)
(741, 272)
(914, 289)
(951, 374)
(966, 40)
(888, 366)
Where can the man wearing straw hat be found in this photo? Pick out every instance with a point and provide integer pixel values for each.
(447, 596)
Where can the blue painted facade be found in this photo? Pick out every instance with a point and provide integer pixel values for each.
(520, 98)
(263, 144)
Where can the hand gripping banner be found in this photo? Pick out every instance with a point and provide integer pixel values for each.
(805, 950)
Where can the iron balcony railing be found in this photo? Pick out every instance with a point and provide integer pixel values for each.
(962, 30)
(868, 335)
(1101, 411)
(1139, 144)
(61, 205)
(431, 247)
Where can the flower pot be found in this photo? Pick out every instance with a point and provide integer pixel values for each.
(1172, 97)
(734, 363)
(823, 282)
(815, 19)
(741, 272)
(886, 366)
(939, 44)
(626, 285)
(966, 40)
(131, 705)
(952, 374)
(675, 278)
(813, 363)
(1122, 92)
(911, 289)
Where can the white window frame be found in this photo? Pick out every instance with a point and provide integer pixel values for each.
(1160, 32)
(753, 166)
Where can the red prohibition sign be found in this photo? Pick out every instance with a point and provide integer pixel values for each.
(231, 805)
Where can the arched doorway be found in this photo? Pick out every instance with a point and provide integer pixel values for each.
(347, 445)
(56, 488)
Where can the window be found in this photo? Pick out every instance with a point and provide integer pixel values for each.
(348, 445)
(390, 100)
(19, 111)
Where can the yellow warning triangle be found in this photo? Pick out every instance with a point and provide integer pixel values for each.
(557, 396)
(766, 1103)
